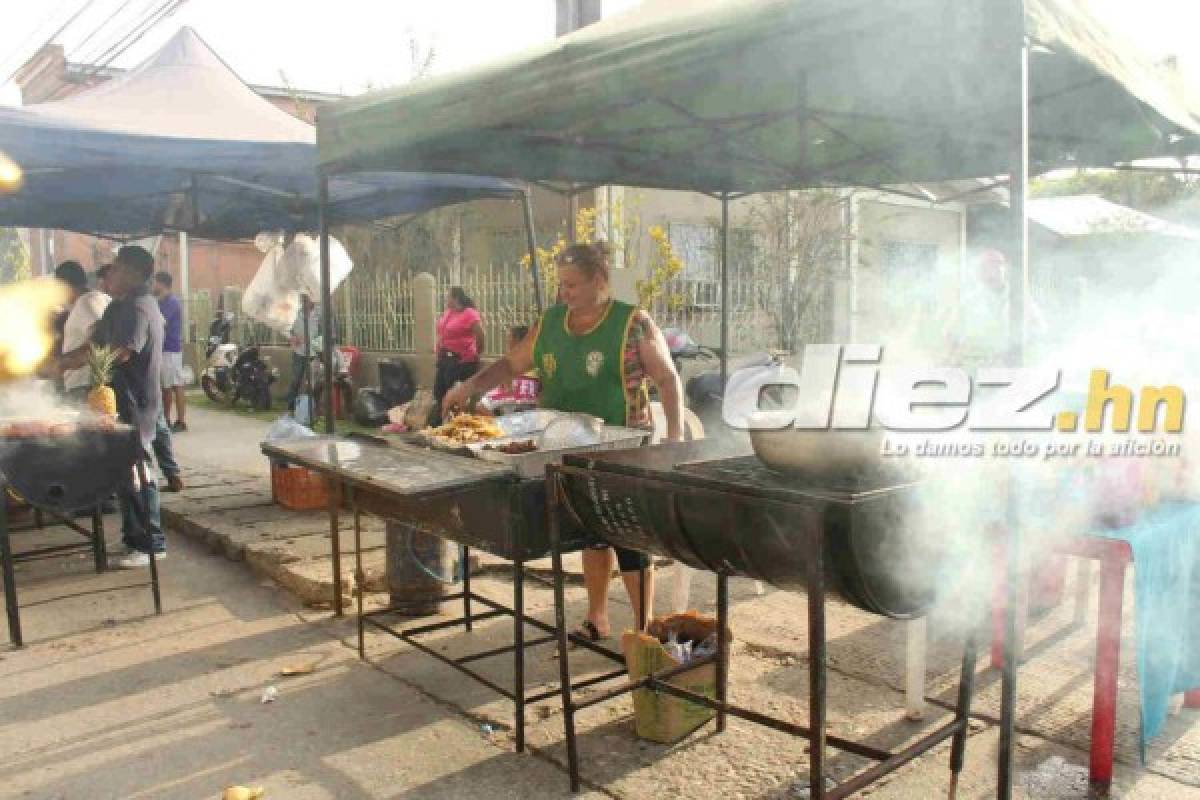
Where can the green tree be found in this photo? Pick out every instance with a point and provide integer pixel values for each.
(15, 264)
(1171, 195)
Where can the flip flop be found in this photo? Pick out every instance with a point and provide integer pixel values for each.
(587, 630)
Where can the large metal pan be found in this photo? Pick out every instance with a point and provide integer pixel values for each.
(812, 452)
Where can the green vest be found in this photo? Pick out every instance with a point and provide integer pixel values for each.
(585, 372)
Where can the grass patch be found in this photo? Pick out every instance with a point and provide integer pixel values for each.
(198, 399)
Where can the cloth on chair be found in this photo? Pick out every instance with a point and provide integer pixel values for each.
(1166, 561)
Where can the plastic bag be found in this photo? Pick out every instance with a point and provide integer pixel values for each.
(266, 301)
(299, 267)
(287, 427)
(303, 410)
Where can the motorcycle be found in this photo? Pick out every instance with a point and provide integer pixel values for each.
(703, 392)
(231, 373)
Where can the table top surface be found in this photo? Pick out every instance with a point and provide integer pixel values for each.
(398, 468)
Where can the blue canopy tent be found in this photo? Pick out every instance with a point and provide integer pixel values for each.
(182, 144)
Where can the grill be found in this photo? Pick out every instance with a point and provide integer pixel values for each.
(58, 469)
(729, 514)
(737, 517)
(70, 471)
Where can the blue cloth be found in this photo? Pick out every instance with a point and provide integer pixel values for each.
(1166, 578)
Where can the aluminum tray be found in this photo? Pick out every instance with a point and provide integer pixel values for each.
(533, 465)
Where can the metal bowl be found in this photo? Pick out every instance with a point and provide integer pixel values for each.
(813, 451)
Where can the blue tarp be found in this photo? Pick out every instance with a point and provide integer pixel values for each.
(1166, 581)
(180, 143)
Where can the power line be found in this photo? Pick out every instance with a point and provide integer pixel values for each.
(20, 48)
(103, 24)
(86, 4)
(114, 51)
(148, 14)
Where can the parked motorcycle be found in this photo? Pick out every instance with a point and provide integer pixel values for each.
(232, 374)
(703, 393)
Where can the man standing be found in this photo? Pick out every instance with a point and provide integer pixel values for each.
(172, 358)
(86, 308)
(133, 326)
(303, 350)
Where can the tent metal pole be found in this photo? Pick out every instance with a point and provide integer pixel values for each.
(531, 243)
(326, 299)
(724, 289)
(1017, 286)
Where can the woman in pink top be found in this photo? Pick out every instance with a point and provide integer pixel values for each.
(459, 343)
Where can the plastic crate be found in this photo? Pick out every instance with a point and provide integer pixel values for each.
(298, 488)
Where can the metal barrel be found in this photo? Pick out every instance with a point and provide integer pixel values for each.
(421, 569)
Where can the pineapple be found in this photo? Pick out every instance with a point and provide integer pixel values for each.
(102, 399)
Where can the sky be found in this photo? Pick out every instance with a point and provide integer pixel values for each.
(341, 46)
(347, 46)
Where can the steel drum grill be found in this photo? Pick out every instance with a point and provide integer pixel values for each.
(737, 517)
(70, 471)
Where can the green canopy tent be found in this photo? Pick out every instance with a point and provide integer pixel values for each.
(729, 98)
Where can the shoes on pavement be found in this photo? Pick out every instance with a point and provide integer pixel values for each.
(136, 559)
(179, 427)
(174, 483)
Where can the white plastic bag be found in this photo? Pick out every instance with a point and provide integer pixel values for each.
(287, 427)
(268, 302)
(299, 269)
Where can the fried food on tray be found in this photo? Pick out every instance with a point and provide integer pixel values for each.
(466, 429)
(513, 448)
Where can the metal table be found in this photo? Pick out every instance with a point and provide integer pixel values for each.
(470, 502)
(623, 492)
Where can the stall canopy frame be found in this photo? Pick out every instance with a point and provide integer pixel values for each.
(678, 95)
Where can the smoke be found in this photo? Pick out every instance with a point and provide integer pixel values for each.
(1125, 305)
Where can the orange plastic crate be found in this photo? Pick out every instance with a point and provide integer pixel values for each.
(299, 489)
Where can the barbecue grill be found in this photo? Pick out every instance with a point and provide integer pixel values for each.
(472, 502)
(731, 515)
(60, 468)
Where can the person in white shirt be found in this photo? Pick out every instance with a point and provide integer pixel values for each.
(87, 306)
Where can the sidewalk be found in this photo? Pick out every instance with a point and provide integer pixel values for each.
(227, 509)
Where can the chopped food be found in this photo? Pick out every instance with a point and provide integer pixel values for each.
(466, 429)
(29, 428)
(513, 448)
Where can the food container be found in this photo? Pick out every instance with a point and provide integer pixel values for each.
(533, 465)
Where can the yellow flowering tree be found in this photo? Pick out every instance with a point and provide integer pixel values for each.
(663, 267)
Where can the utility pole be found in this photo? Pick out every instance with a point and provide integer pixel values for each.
(571, 15)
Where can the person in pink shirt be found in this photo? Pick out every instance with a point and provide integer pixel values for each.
(459, 343)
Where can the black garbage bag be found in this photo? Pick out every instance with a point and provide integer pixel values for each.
(396, 382)
(370, 408)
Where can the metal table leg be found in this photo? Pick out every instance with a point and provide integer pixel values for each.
(335, 543)
(962, 712)
(10, 579)
(360, 577)
(518, 642)
(465, 554)
(816, 667)
(99, 546)
(560, 627)
(722, 647)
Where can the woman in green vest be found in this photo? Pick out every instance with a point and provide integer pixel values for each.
(594, 354)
